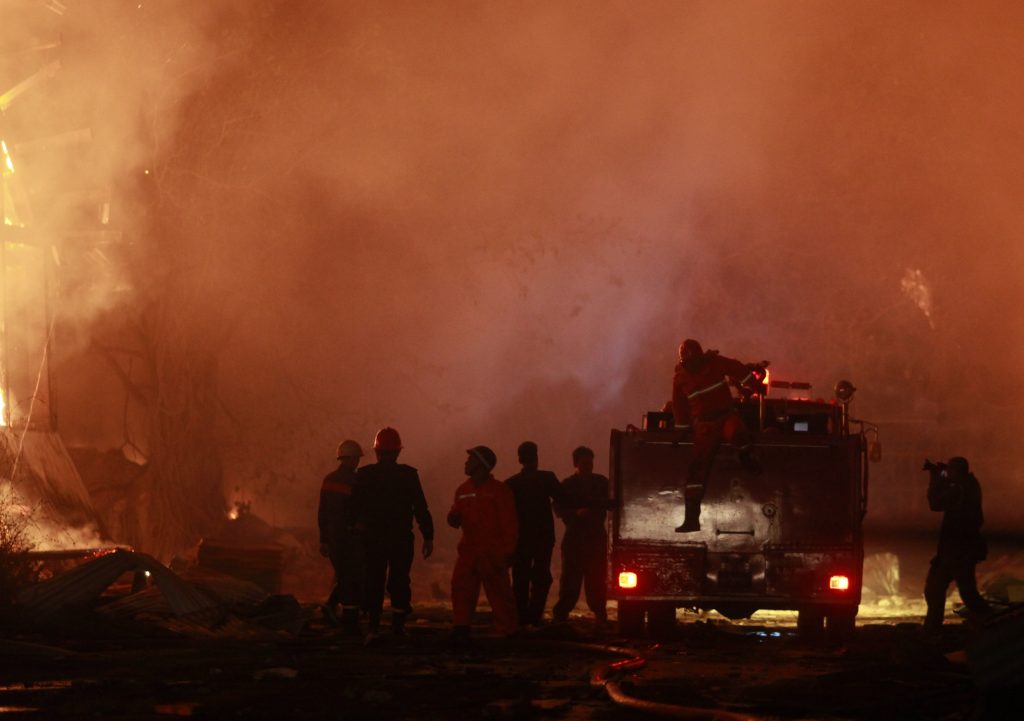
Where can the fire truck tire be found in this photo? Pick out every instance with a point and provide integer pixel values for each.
(840, 623)
(661, 619)
(810, 622)
(631, 618)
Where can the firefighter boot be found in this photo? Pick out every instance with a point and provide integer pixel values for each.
(372, 629)
(459, 636)
(330, 617)
(350, 620)
(691, 521)
(398, 622)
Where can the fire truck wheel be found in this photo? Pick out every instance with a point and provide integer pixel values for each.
(809, 622)
(631, 618)
(661, 619)
(840, 623)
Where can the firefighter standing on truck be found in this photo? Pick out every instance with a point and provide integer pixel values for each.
(485, 510)
(583, 505)
(534, 490)
(388, 496)
(955, 492)
(701, 397)
(338, 539)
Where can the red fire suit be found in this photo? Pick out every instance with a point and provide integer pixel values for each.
(700, 395)
(488, 520)
(335, 517)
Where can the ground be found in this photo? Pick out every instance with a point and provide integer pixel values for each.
(761, 668)
(134, 659)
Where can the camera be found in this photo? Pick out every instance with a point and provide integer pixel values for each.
(940, 469)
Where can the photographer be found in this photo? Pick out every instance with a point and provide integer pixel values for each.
(954, 491)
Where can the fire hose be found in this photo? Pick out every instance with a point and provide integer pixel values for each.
(608, 676)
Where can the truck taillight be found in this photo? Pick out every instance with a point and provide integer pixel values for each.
(627, 579)
(839, 583)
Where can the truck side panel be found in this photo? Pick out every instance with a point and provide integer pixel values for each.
(806, 495)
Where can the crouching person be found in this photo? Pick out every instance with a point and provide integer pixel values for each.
(485, 510)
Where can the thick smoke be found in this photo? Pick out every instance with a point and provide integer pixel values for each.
(482, 222)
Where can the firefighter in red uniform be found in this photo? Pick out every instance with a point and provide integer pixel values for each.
(583, 506)
(485, 510)
(338, 539)
(701, 397)
(388, 496)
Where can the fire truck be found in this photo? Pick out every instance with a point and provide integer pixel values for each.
(789, 537)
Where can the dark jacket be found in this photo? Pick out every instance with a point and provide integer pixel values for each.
(387, 497)
(534, 491)
(959, 500)
(336, 512)
(583, 505)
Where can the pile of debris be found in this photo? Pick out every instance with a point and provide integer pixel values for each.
(157, 600)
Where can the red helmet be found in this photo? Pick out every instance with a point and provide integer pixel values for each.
(387, 439)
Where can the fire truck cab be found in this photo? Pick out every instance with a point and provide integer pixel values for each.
(786, 538)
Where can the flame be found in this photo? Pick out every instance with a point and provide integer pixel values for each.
(7, 170)
(767, 377)
(237, 506)
(7, 156)
(39, 529)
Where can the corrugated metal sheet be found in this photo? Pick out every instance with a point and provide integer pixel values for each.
(88, 581)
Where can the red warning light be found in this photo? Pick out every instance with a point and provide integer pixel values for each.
(839, 583)
(627, 579)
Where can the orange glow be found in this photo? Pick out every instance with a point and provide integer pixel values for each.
(839, 583)
(233, 514)
(627, 579)
(767, 374)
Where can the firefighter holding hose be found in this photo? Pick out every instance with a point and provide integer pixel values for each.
(701, 399)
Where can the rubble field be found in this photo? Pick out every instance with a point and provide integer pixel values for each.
(121, 636)
(112, 669)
